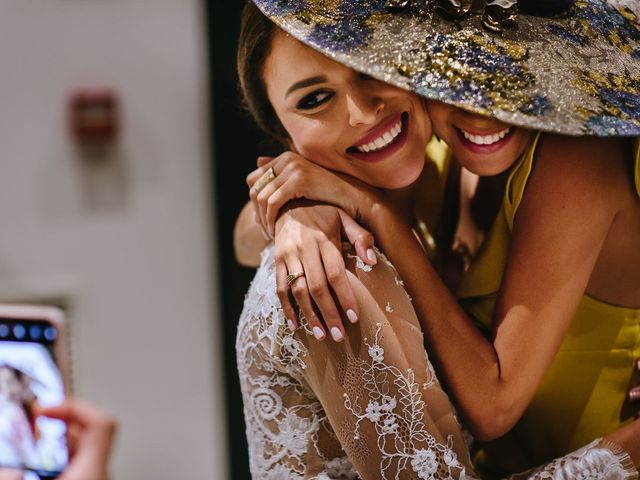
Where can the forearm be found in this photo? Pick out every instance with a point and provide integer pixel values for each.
(378, 381)
(468, 362)
(248, 238)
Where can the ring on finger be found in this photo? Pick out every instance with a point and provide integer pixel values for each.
(266, 178)
(293, 277)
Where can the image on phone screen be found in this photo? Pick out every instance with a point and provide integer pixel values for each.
(30, 377)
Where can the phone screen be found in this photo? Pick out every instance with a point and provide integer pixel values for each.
(29, 376)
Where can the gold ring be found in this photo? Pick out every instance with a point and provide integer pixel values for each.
(266, 178)
(293, 277)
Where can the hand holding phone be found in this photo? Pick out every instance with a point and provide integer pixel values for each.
(33, 374)
(91, 433)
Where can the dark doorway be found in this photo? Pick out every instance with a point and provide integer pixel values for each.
(235, 141)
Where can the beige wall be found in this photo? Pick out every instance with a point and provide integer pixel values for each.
(128, 239)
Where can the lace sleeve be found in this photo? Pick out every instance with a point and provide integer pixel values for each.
(369, 407)
(600, 460)
(370, 404)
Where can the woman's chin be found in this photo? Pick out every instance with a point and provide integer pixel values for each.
(399, 179)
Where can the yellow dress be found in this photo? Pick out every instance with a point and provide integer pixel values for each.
(583, 395)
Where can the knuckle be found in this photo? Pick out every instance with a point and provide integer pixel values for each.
(364, 236)
(317, 290)
(334, 276)
(298, 289)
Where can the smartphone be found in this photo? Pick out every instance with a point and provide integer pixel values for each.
(34, 370)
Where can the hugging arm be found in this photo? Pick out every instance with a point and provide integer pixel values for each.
(542, 286)
(370, 407)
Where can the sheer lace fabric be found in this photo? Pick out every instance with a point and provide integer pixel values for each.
(369, 407)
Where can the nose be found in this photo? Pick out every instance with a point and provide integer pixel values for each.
(363, 107)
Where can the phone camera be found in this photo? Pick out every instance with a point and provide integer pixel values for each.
(4, 330)
(19, 331)
(50, 333)
(35, 332)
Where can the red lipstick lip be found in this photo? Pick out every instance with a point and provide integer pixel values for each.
(378, 131)
(386, 152)
(494, 147)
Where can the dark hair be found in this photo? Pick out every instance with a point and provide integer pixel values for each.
(254, 46)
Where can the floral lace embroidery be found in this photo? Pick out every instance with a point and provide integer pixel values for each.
(403, 409)
(288, 430)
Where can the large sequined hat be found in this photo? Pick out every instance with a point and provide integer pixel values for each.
(575, 72)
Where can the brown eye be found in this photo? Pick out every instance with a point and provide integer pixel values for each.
(314, 99)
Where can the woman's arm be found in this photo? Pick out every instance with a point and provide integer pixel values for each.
(375, 392)
(573, 195)
(373, 397)
(248, 238)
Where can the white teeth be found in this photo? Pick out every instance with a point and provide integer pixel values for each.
(382, 141)
(486, 139)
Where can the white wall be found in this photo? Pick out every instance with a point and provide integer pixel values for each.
(127, 239)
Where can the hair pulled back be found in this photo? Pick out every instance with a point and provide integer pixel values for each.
(254, 46)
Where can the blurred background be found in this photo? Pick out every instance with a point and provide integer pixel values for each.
(124, 153)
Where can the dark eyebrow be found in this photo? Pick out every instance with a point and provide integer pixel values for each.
(307, 82)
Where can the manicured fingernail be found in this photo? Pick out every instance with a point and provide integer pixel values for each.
(634, 395)
(291, 326)
(638, 366)
(352, 316)
(371, 255)
(318, 333)
(336, 334)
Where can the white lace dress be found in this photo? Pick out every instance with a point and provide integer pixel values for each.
(369, 407)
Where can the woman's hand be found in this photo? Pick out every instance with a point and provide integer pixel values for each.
(297, 177)
(308, 240)
(90, 436)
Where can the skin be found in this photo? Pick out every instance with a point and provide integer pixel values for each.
(576, 183)
(90, 436)
(328, 110)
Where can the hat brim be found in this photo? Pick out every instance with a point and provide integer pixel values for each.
(575, 74)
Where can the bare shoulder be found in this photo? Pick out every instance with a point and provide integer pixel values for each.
(583, 166)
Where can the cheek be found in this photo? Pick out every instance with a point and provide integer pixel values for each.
(317, 146)
(438, 113)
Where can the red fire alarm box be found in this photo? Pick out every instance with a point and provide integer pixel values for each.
(94, 116)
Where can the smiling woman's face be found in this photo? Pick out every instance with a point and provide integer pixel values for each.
(343, 120)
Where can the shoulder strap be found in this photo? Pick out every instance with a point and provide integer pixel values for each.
(517, 182)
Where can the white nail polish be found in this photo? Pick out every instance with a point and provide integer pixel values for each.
(290, 325)
(371, 255)
(351, 315)
(336, 334)
(318, 333)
